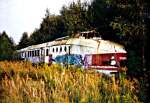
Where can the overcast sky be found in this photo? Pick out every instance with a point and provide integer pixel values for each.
(18, 16)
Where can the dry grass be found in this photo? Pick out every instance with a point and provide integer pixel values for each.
(22, 83)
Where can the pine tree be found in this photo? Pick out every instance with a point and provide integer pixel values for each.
(7, 47)
(24, 41)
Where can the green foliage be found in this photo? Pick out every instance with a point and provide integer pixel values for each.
(76, 17)
(36, 37)
(24, 41)
(7, 47)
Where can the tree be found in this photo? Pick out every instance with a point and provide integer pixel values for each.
(52, 27)
(75, 17)
(100, 14)
(133, 30)
(36, 37)
(7, 47)
(24, 41)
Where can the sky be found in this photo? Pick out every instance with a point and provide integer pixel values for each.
(18, 16)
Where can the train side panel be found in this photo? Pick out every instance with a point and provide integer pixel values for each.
(106, 63)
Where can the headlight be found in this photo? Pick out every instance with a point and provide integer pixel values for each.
(113, 61)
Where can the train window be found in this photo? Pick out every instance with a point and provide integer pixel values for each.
(69, 48)
(35, 53)
(60, 49)
(47, 52)
(53, 50)
(28, 53)
(32, 53)
(56, 49)
(65, 49)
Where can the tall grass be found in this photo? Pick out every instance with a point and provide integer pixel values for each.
(20, 82)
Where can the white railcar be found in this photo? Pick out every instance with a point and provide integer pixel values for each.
(84, 45)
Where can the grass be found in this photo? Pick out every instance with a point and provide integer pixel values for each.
(20, 82)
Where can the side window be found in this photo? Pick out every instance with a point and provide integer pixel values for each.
(47, 52)
(53, 50)
(60, 49)
(56, 49)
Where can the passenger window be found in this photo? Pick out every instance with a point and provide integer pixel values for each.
(53, 50)
(69, 48)
(46, 52)
(60, 49)
(56, 49)
(33, 53)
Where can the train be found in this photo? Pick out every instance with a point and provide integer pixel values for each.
(86, 49)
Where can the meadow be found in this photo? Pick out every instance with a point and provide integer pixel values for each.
(20, 82)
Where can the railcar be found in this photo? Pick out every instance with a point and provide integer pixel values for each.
(86, 49)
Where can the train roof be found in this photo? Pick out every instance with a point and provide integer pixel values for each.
(33, 47)
(87, 40)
